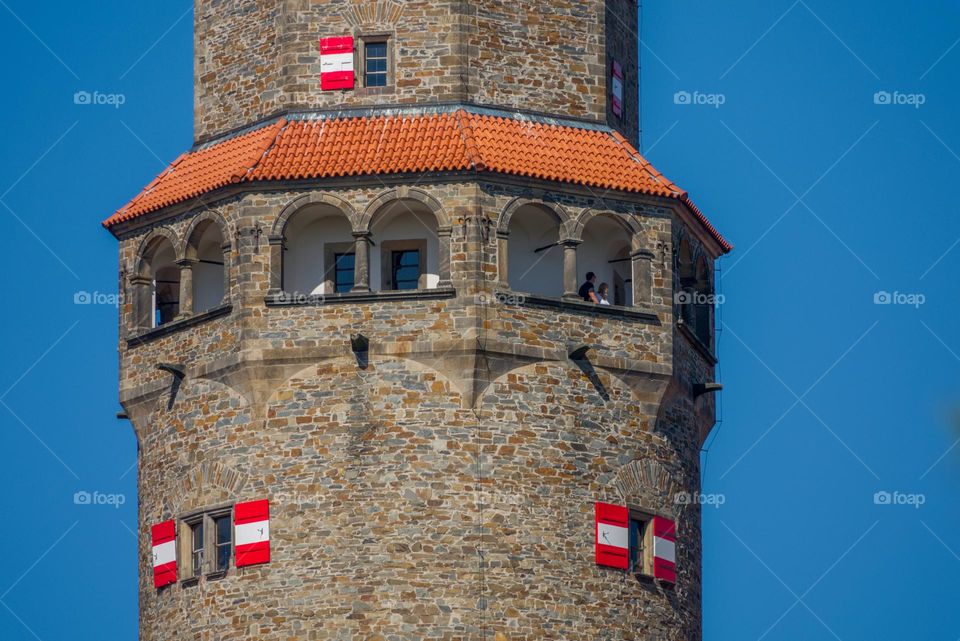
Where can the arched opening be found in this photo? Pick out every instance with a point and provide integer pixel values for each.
(318, 255)
(206, 251)
(406, 251)
(162, 278)
(703, 303)
(535, 257)
(605, 251)
(686, 290)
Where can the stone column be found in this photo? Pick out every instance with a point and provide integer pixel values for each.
(642, 264)
(185, 309)
(142, 292)
(570, 276)
(276, 266)
(443, 260)
(503, 259)
(225, 250)
(361, 262)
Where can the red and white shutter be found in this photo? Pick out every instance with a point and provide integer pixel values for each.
(616, 89)
(252, 532)
(336, 63)
(664, 549)
(164, 537)
(613, 535)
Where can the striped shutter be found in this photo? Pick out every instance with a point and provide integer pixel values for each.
(336, 63)
(613, 535)
(664, 549)
(164, 537)
(616, 89)
(251, 523)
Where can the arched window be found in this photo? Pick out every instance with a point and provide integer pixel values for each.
(406, 252)
(703, 303)
(535, 257)
(605, 251)
(686, 291)
(160, 277)
(205, 250)
(318, 251)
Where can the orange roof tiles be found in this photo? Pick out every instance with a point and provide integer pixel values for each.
(438, 142)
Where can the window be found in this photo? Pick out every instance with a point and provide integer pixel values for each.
(405, 270)
(640, 544)
(206, 543)
(344, 265)
(196, 548)
(375, 64)
(223, 542)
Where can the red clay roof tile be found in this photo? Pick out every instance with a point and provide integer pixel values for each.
(457, 141)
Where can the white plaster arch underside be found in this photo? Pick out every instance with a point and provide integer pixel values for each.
(531, 228)
(311, 232)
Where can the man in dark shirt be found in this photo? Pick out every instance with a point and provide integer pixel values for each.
(587, 291)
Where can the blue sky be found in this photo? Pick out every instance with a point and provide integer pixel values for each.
(829, 197)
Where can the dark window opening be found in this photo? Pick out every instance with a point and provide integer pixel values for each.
(375, 64)
(344, 268)
(638, 538)
(223, 542)
(196, 547)
(406, 269)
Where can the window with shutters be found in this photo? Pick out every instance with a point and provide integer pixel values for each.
(206, 544)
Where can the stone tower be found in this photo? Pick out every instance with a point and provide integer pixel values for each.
(369, 402)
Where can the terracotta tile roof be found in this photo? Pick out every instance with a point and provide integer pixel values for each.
(437, 142)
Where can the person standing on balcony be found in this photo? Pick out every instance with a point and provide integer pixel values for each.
(587, 291)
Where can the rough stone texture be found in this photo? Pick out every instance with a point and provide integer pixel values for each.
(446, 491)
(257, 58)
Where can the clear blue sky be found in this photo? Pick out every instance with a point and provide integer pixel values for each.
(830, 398)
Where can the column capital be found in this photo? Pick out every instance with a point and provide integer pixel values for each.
(643, 254)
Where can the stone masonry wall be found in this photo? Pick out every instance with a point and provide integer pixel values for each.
(446, 490)
(255, 58)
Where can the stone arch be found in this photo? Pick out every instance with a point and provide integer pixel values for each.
(205, 269)
(547, 273)
(649, 484)
(313, 198)
(609, 245)
(403, 193)
(433, 271)
(555, 209)
(149, 244)
(278, 241)
(208, 482)
(629, 223)
(196, 228)
(156, 303)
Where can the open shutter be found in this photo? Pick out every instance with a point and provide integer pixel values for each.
(664, 549)
(252, 532)
(613, 536)
(164, 536)
(336, 63)
(616, 89)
